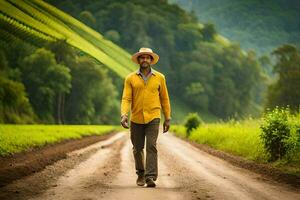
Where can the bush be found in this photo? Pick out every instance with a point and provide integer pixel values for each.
(192, 121)
(14, 104)
(280, 133)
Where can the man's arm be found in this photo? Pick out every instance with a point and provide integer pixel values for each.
(126, 102)
(165, 103)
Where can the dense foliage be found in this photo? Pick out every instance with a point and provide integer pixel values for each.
(206, 75)
(54, 84)
(285, 91)
(47, 71)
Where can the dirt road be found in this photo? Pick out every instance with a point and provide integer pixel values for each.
(105, 170)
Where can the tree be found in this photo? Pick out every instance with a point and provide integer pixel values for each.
(44, 79)
(286, 91)
(195, 81)
(208, 32)
(224, 102)
(65, 55)
(187, 36)
(14, 104)
(235, 78)
(195, 94)
(93, 96)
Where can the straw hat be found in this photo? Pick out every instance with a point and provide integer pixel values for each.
(143, 51)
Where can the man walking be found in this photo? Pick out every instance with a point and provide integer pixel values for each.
(145, 93)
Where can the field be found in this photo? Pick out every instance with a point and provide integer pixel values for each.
(17, 138)
(238, 138)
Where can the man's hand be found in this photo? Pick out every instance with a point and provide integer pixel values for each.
(166, 125)
(124, 121)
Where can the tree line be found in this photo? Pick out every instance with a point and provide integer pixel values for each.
(201, 72)
(53, 83)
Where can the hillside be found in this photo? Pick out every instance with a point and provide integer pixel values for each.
(255, 24)
(55, 69)
(36, 21)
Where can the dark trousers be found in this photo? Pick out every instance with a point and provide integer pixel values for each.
(138, 133)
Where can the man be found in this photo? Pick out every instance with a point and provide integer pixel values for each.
(145, 92)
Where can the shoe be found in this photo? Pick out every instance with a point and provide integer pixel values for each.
(150, 182)
(140, 181)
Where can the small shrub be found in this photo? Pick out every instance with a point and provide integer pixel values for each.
(280, 133)
(192, 121)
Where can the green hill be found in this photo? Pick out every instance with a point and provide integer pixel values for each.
(35, 21)
(255, 24)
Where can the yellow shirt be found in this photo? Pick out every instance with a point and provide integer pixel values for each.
(145, 98)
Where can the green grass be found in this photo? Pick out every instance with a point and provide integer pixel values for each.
(18, 138)
(180, 110)
(238, 138)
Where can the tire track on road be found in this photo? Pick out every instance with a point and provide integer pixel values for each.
(124, 186)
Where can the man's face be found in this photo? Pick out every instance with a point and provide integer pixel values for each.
(145, 60)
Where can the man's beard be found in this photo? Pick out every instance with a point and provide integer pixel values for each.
(145, 65)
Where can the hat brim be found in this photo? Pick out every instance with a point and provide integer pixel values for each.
(155, 57)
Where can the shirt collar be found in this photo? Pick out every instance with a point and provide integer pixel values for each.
(152, 71)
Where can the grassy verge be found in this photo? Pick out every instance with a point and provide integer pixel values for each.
(17, 138)
(180, 110)
(238, 138)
